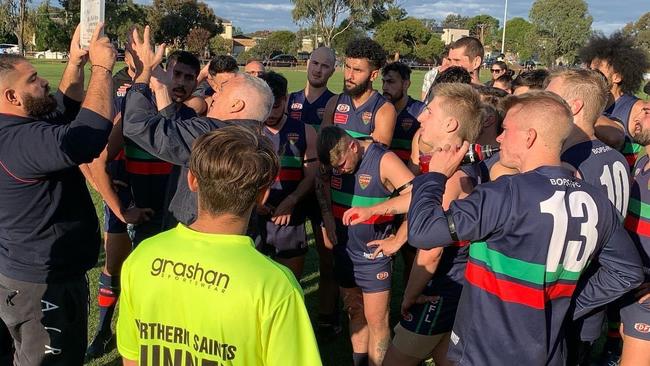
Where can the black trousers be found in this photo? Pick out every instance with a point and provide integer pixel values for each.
(45, 324)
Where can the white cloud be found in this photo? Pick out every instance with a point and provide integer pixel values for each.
(267, 7)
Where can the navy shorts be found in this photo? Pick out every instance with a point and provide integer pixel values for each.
(281, 241)
(433, 317)
(117, 171)
(636, 319)
(356, 269)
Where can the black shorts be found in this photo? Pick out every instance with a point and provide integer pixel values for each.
(48, 322)
(434, 317)
(353, 269)
(636, 318)
(281, 241)
(117, 171)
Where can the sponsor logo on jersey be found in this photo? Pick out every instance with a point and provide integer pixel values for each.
(320, 112)
(343, 108)
(296, 106)
(642, 327)
(407, 123)
(193, 273)
(336, 182)
(293, 137)
(364, 180)
(382, 275)
(408, 317)
(340, 118)
(121, 91)
(366, 117)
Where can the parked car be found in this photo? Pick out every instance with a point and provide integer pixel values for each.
(51, 55)
(9, 48)
(120, 54)
(281, 60)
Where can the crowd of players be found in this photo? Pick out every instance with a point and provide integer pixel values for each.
(516, 259)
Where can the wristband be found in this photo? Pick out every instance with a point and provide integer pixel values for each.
(103, 67)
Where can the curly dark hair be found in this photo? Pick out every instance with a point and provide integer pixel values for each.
(619, 52)
(454, 74)
(277, 83)
(221, 64)
(368, 49)
(401, 68)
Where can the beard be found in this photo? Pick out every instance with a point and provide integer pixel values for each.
(181, 96)
(357, 90)
(642, 138)
(39, 106)
(393, 98)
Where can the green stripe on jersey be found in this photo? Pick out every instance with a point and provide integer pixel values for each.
(351, 200)
(639, 208)
(137, 153)
(401, 144)
(356, 134)
(291, 161)
(631, 147)
(517, 268)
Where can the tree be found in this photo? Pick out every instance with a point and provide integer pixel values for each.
(348, 33)
(455, 21)
(47, 31)
(13, 16)
(519, 38)
(197, 40)
(561, 27)
(432, 50)
(383, 12)
(172, 20)
(402, 37)
(484, 27)
(325, 15)
(236, 31)
(640, 31)
(220, 46)
(276, 43)
(121, 16)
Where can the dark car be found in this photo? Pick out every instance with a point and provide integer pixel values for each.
(282, 60)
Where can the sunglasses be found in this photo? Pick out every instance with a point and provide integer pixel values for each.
(496, 70)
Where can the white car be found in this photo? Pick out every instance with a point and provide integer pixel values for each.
(50, 55)
(9, 48)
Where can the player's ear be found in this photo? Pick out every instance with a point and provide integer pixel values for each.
(263, 195)
(451, 124)
(407, 85)
(531, 136)
(237, 106)
(192, 182)
(374, 74)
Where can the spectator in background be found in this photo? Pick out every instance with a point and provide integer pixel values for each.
(254, 68)
(498, 69)
(431, 75)
(467, 52)
(453, 74)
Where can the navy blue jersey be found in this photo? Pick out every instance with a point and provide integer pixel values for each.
(480, 172)
(290, 143)
(637, 221)
(362, 189)
(358, 122)
(532, 236)
(405, 127)
(620, 111)
(602, 166)
(310, 113)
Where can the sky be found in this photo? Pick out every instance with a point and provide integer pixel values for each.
(252, 15)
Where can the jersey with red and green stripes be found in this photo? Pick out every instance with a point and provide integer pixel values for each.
(405, 127)
(358, 122)
(532, 236)
(363, 188)
(637, 221)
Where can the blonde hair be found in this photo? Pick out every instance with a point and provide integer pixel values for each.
(464, 103)
(586, 85)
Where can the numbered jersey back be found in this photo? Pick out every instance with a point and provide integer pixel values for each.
(602, 166)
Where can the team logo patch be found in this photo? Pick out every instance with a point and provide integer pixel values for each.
(343, 108)
(408, 317)
(407, 123)
(121, 91)
(366, 117)
(340, 118)
(293, 137)
(320, 112)
(364, 180)
(336, 182)
(382, 275)
(295, 115)
(296, 106)
(642, 327)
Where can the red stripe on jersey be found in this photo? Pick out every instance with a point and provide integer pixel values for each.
(631, 159)
(636, 225)
(405, 155)
(148, 168)
(509, 291)
(289, 175)
(340, 118)
(338, 211)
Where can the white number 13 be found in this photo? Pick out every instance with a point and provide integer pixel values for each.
(579, 202)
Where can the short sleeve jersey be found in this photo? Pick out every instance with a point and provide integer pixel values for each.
(191, 298)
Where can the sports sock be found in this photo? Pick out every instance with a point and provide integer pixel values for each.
(109, 291)
(359, 359)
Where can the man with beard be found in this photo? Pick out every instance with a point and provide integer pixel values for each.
(281, 223)
(308, 106)
(243, 100)
(623, 65)
(597, 164)
(360, 110)
(152, 179)
(49, 233)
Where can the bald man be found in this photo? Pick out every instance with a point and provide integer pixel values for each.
(254, 68)
(243, 100)
(532, 236)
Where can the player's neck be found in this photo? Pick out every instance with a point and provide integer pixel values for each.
(540, 159)
(616, 91)
(225, 224)
(312, 93)
(581, 132)
(362, 98)
(401, 103)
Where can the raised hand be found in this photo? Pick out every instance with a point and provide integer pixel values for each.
(77, 56)
(100, 50)
(446, 160)
(144, 57)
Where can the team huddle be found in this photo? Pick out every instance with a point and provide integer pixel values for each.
(520, 209)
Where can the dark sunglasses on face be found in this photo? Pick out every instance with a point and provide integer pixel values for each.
(495, 70)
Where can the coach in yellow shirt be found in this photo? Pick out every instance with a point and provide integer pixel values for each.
(202, 295)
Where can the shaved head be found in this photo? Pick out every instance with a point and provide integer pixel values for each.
(242, 97)
(324, 55)
(321, 66)
(254, 68)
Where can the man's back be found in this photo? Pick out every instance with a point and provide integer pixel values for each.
(211, 297)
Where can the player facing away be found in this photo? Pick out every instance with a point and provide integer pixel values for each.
(360, 110)
(364, 173)
(532, 236)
